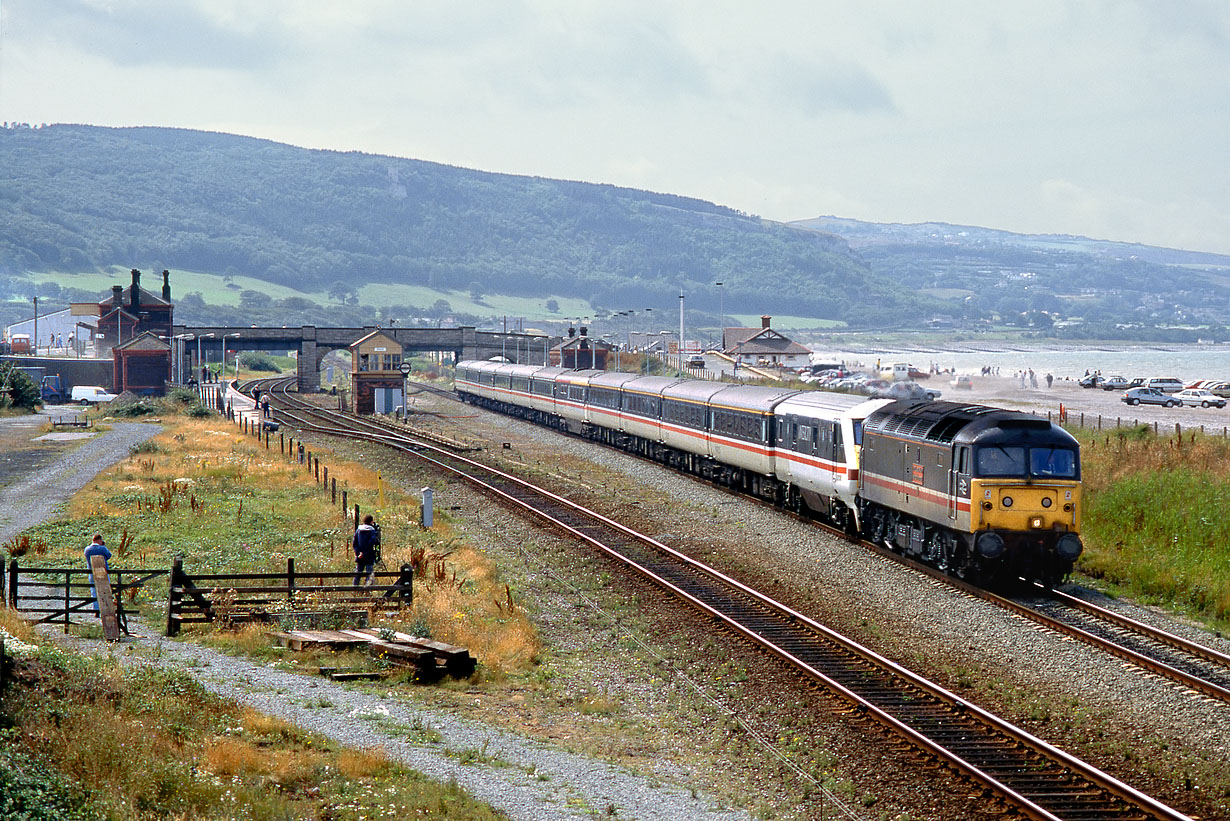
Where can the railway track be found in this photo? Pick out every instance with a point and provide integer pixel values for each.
(1197, 667)
(1034, 777)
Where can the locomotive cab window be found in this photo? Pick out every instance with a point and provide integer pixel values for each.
(1052, 463)
(998, 460)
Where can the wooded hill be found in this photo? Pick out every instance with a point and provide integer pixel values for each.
(82, 198)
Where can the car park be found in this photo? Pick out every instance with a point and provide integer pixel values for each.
(1114, 383)
(1200, 397)
(1149, 396)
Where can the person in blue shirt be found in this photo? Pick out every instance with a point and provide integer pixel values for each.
(96, 547)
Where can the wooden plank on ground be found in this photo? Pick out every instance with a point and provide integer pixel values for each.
(457, 660)
(106, 602)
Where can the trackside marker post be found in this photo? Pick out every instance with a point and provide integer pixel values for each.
(426, 508)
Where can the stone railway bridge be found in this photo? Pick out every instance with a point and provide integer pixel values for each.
(314, 342)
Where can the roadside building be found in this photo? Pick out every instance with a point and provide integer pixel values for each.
(764, 346)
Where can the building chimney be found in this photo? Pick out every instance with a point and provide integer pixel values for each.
(117, 295)
(166, 285)
(134, 299)
(764, 321)
(584, 331)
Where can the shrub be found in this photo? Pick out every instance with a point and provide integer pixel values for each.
(24, 393)
(133, 410)
(198, 411)
(182, 396)
(258, 362)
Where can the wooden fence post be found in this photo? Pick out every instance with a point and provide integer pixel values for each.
(356, 516)
(68, 576)
(173, 597)
(12, 597)
(290, 578)
(344, 505)
(282, 443)
(334, 499)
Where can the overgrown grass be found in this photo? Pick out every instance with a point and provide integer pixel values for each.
(1156, 518)
(85, 738)
(204, 491)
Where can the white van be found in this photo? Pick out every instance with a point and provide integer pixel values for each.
(91, 394)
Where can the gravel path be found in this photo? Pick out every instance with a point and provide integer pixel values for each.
(524, 778)
(37, 496)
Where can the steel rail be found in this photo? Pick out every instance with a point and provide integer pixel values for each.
(1037, 778)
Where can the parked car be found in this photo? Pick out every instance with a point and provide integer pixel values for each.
(90, 394)
(1090, 381)
(1115, 383)
(1221, 389)
(1201, 397)
(962, 382)
(1149, 396)
(907, 390)
(1165, 384)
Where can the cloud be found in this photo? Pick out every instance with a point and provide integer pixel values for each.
(137, 33)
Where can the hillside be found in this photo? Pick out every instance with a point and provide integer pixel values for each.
(1087, 288)
(83, 198)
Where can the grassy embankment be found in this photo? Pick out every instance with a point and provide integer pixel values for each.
(203, 490)
(85, 738)
(1157, 519)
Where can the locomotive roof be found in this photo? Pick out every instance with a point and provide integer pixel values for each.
(947, 422)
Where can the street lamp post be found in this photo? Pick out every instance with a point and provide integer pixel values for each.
(198, 348)
(721, 314)
(224, 338)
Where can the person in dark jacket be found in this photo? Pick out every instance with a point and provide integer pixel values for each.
(96, 547)
(364, 550)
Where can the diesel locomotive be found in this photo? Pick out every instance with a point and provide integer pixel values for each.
(979, 492)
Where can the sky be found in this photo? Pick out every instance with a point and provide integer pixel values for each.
(1103, 118)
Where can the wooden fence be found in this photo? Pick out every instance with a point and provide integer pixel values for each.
(54, 595)
(199, 598)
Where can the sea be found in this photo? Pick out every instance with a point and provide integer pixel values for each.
(1187, 363)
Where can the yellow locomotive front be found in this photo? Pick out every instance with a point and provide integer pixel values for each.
(1025, 498)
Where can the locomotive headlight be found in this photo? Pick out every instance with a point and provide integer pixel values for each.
(1069, 547)
(1036, 522)
(1006, 501)
(990, 545)
(1046, 501)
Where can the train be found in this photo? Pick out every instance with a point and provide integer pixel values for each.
(981, 493)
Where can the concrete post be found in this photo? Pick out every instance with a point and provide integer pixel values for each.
(427, 514)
